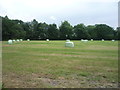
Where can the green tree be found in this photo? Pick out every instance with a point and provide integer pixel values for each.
(92, 32)
(18, 30)
(66, 30)
(42, 31)
(31, 29)
(12, 29)
(6, 24)
(104, 31)
(34, 28)
(81, 32)
(26, 27)
(53, 31)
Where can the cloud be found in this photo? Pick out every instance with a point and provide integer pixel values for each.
(75, 11)
(53, 18)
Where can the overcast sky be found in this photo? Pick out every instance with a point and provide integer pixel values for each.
(89, 12)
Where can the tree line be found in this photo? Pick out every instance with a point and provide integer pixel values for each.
(16, 29)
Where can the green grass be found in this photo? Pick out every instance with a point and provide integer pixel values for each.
(51, 64)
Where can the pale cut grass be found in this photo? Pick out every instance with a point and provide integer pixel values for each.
(50, 64)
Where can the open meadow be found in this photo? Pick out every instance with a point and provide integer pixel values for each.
(41, 64)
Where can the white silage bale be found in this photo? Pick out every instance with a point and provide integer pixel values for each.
(28, 39)
(21, 40)
(85, 40)
(67, 40)
(91, 39)
(10, 41)
(69, 44)
(13, 40)
(103, 40)
(47, 40)
(82, 40)
(113, 40)
(17, 40)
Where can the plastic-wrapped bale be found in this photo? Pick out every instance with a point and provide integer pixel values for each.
(13, 40)
(102, 39)
(67, 40)
(91, 39)
(21, 40)
(113, 40)
(18, 40)
(84, 40)
(9, 41)
(28, 39)
(47, 40)
(69, 44)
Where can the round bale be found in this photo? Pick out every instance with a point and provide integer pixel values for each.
(69, 44)
(9, 41)
(28, 39)
(47, 40)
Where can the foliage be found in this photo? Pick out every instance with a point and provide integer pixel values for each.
(81, 32)
(13, 29)
(92, 32)
(65, 30)
(104, 31)
(53, 32)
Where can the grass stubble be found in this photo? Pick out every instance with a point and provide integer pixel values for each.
(41, 64)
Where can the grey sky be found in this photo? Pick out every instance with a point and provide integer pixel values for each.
(88, 12)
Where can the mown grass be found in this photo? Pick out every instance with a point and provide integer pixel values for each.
(51, 64)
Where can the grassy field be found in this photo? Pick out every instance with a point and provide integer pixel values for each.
(41, 64)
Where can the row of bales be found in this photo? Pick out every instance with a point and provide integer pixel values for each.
(68, 43)
(10, 41)
(93, 40)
